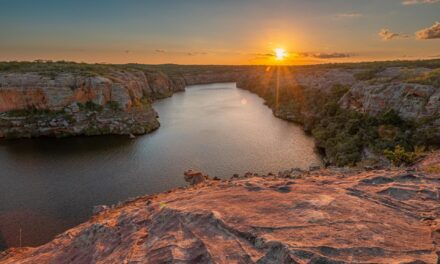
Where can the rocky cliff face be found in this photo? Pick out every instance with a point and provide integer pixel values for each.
(319, 216)
(27, 98)
(32, 104)
(391, 88)
(355, 114)
(388, 90)
(115, 102)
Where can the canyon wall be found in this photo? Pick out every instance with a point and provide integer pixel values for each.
(116, 99)
(356, 113)
(34, 105)
(64, 103)
(392, 88)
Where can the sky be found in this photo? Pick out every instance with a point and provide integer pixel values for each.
(219, 31)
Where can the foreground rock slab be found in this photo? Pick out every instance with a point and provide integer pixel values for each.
(324, 216)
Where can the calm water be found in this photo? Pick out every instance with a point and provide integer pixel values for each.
(49, 185)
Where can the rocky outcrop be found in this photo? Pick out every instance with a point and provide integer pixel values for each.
(409, 100)
(322, 216)
(116, 101)
(125, 92)
(119, 102)
(389, 89)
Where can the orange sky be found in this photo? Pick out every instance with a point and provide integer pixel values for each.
(219, 32)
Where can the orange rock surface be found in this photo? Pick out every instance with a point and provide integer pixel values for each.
(323, 216)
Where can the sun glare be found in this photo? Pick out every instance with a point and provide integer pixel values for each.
(280, 54)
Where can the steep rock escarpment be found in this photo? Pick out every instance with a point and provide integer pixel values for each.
(390, 88)
(118, 102)
(355, 114)
(321, 216)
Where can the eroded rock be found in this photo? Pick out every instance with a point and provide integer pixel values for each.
(332, 217)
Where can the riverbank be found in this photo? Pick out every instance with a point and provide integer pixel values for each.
(356, 112)
(60, 99)
(360, 114)
(66, 177)
(328, 215)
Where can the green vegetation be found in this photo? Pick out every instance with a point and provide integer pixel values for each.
(400, 156)
(94, 130)
(91, 106)
(432, 64)
(368, 74)
(432, 168)
(143, 102)
(30, 112)
(52, 69)
(41, 114)
(431, 78)
(113, 105)
(342, 134)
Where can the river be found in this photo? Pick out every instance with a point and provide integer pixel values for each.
(50, 185)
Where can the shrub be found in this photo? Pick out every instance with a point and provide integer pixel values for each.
(31, 112)
(368, 74)
(142, 102)
(91, 106)
(400, 156)
(433, 169)
(113, 105)
(430, 78)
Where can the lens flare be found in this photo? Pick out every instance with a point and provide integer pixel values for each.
(280, 54)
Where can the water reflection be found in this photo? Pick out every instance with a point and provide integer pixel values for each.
(49, 185)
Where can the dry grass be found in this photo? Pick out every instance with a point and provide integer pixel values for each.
(434, 169)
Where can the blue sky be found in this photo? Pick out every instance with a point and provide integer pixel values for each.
(217, 32)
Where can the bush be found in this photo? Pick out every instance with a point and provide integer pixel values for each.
(400, 156)
(91, 106)
(113, 105)
(368, 74)
(432, 169)
(430, 78)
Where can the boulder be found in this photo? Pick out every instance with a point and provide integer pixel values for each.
(194, 177)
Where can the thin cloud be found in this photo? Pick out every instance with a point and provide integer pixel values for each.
(418, 2)
(316, 55)
(386, 34)
(160, 51)
(349, 15)
(263, 54)
(319, 55)
(196, 53)
(432, 32)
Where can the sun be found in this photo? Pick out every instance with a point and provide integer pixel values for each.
(280, 54)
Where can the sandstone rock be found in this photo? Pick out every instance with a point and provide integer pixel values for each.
(99, 209)
(410, 101)
(23, 91)
(194, 177)
(386, 216)
(314, 167)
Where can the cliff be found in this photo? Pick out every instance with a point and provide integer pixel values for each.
(356, 111)
(119, 102)
(413, 93)
(409, 92)
(320, 216)
(65, 99)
